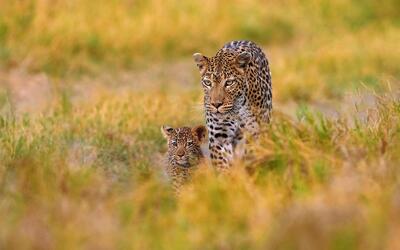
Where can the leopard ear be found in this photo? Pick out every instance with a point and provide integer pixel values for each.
(166, 131)
(243, 59)
(200, 133)
(201, 62)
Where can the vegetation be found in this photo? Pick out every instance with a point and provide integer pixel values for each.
(85, 172)
(74, 36)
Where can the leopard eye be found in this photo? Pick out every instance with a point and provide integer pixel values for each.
(174, 143)
(207, 83)
(190, 143)
(229, 83)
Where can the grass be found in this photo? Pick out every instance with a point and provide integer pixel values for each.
(85, 171)
(85, 177)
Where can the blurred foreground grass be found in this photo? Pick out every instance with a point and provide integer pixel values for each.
(83, 170)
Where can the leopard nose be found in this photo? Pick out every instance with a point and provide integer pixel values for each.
(217, 104)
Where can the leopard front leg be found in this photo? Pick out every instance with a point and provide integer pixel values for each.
(221, 132)
(249, 125)
(221, 155)
(248, 131)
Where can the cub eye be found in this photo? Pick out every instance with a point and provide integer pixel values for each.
(190, 143)
(207, 83)
(174, 143)
(229, 83)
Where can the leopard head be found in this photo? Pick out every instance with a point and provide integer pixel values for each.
(184, 144)
(223, 78)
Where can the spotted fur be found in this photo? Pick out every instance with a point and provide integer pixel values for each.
(184, 152)
(237, 97)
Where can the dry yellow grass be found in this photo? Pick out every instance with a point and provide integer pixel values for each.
(86, 85)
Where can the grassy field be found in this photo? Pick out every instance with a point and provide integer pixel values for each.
(86, 85)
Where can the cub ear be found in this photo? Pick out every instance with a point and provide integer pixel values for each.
(243, 59)
(201, 62)
(166, 131)
(200, 133)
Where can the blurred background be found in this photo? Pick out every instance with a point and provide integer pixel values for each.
(328, 46)
(85, 86)
(325, 45)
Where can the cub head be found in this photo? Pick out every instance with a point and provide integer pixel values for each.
(184, 144)
(223, 78)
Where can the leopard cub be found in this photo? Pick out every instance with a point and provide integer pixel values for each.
(184, 152)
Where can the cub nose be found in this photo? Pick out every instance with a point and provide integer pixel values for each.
(180, 153)
(217, 104)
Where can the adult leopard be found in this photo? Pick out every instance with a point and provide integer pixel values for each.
(237, 97)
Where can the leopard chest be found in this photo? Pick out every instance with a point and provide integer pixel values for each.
(222, 128)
